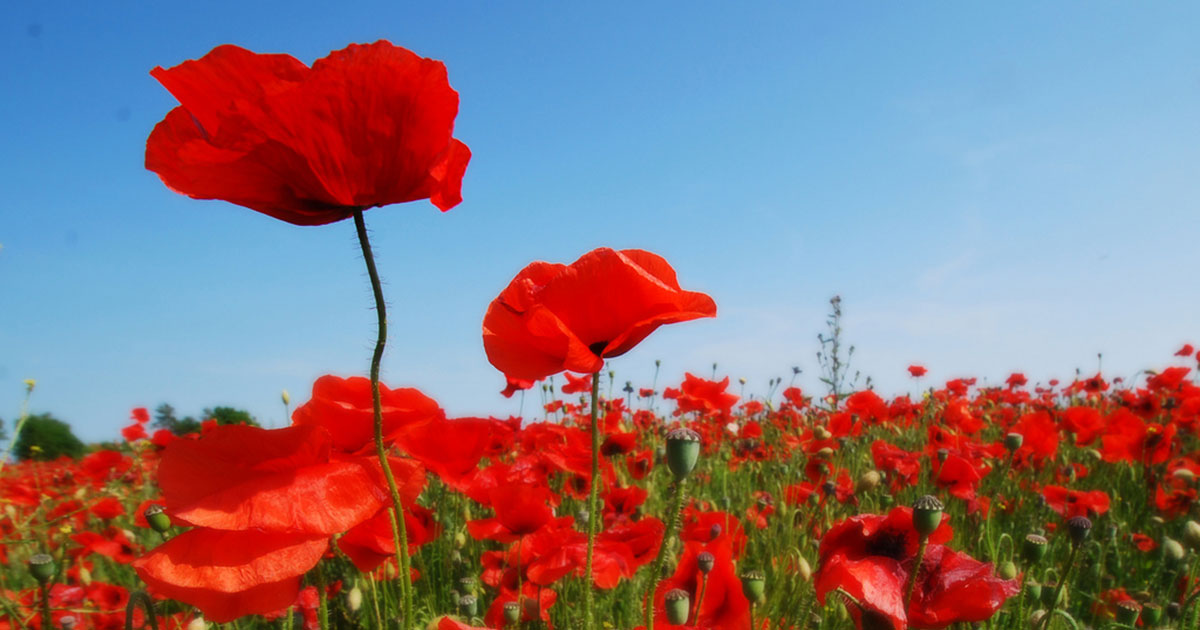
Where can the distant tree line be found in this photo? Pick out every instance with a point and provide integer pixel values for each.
(44, 437)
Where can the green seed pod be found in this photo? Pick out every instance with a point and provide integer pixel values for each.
(754, 585)
(157, 518)
(927, 514)
(1007, 570)
(41, 567)
(468, 584)
(678, 604)
(1152, 615)
(1034, 590)
(1013, 441)
(1127, 612)
(468, 606)
(1048, 591)
(1034, 548)
(683, 451)
(1174, 610)
(512, 613)
(1079, 527)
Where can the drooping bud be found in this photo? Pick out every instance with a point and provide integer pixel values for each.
(821, 433)
(678, 604)
(354, 599)
(1034, 548)
(1127, 612)
(705, 561)
(1184, 474)
(41, 567)
(1173, 551)
(927, 514)
(1079, 527)
(1007, 570)
(867, 482)
(754, 585)
(197, 623)
(1013, 441)
(683, 451)
(1191, 535)
(157, 518)
(468, 606)
(285, 397)
(804, 569)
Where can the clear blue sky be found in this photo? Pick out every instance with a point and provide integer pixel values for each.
(990, 186)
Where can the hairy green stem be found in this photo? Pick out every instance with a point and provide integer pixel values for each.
(589, 600)
(140, 597)
(1062, 583)
(916, 568)
(672, 522)
(399, 533)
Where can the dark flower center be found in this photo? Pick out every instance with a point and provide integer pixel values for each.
(598, 347)
(890, 543)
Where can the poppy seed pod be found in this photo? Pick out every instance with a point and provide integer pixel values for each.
(468, 584)
(512, 613)
(157, 518)
(714, 531)
(1079, 527)
(68, 622)
(1034, 589)
(678, 604)
(1127, 612)
(683, 451)
(1048, 591)
(1152, 614)
(942, 454)
(754, 585)
(1034, 548)
(41, 567)
(705, 561)
(468, 606)
(927, 514)
(1013, 441)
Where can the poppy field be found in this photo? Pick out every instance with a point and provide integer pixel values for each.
(616, 504)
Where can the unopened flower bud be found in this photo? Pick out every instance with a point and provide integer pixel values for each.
(1173, 550)
(157, 518)
(1007, 570)
(1034, 548)
(1079, 527)
(754, 585)
(867, 482)
(285, 397)
(41, 567)
(68, 622)
(704, 562)
(1191, 535)
(678, 604)
(354, 599)
(683, 451)
(197, 623)
(1184, 474)
(804, 569)
(824, 452)
(1013, 441)
(85, 576)
(821, 433)
(927, 514)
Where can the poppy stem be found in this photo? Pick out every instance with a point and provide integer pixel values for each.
(399, 533)
(589, 600)
(1062, 582)
(135, 598)
(656, 572)
(47, 620)
(916, 568)
(699, 599)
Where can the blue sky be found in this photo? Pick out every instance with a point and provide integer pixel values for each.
(990, 187)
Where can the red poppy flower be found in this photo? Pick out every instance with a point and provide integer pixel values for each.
(194, 567)
(344, 407)
(1185, 351)
(521, 509)
(724, 605)
(366, 126)
(917, 371)
(705, 396)
(1072, 503)
(555, 317)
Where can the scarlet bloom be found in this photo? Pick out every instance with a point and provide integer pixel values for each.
(366, 126)
(917, 371)
(554, 317)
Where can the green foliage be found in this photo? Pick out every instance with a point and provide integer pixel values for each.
(44, 437)
(165, 418)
